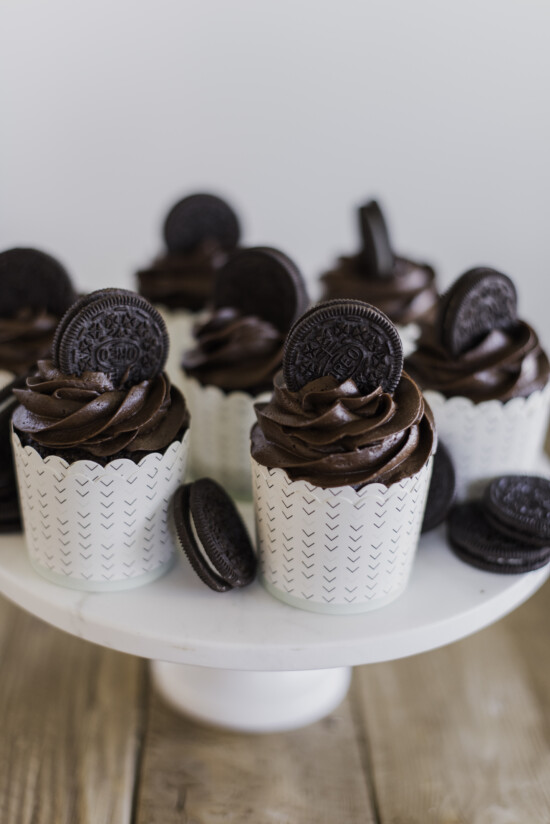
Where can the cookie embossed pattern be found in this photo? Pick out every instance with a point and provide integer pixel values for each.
(100, 441)
(485, 376)
(341, 459)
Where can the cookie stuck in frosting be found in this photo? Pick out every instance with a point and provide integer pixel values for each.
(258, 295)
(200, 231)
(403, 289)
(478, 348)
(337, 430)
(122, 404)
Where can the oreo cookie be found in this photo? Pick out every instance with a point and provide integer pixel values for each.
(475, 541)
(114, 331)
(198, 219)
(520, 505)
(213, 535)
(345, 339)
(263, 282)
(31, 279)
(481, 300)
(442, 491)
(376, 254)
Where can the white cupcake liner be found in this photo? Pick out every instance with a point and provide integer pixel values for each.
(220, 435)
(99, 528)
(337, 550)
(490, 438)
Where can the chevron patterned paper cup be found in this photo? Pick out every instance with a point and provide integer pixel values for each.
(337, 550)
(220, 435)
(491, 438)
(99, 528)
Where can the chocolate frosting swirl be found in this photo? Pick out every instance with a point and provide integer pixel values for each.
(405, 296)
(330, 435)
(185, 280)
(235, 352)
(61, 411)
(505, 364)
(25, 339)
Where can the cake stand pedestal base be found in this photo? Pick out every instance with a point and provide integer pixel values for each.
(251, 701)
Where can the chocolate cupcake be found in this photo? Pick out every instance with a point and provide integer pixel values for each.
(199, 233)
(36, 292)
(100, 441)
(401, 288)
(258, 294)
(485, 375)
(341, 459)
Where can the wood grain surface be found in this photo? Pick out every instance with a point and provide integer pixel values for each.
(460, 735)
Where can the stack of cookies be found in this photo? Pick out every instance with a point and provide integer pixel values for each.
(508, 530)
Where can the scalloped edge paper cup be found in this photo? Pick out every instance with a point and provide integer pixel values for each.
(220, 435)
(99, 528)
(339, 550)
(492, 438)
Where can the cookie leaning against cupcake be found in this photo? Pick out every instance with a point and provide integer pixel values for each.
(258, 295)
(401, 288)
(36, 292)
(342, 457)
(199, 231)
(100, 441)
(485, 375)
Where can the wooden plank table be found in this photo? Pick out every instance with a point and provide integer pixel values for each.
(460, 735)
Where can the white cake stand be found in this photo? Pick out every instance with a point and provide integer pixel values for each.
(244, 660)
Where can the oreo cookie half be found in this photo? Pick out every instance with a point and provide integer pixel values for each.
(442, 489)
(480, 300)
(114, 331)
(263, 282)
(522, 504)
(475, 541)
(213, 535)
(376, 254)
(200, 218)
(30, 279)
(345, 339)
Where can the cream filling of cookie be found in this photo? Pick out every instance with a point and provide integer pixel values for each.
(200, 546)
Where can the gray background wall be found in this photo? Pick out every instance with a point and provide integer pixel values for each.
(296, 110)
